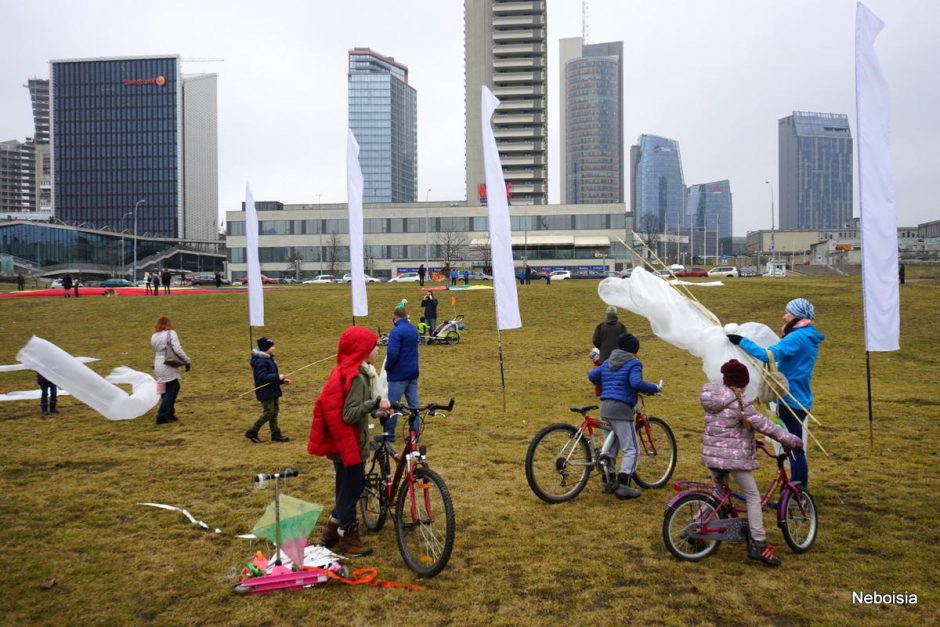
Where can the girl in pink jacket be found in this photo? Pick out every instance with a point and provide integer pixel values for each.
(729, 447)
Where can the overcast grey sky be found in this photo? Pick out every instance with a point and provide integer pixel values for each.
(716, 75)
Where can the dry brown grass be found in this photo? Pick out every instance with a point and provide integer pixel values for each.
(70, 482)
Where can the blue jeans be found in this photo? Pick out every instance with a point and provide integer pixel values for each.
(793, 419)
(349, 484)
(396, 389)
(167, 405)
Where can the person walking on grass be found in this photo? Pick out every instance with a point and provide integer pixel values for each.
(156, 282)
(340, 432)
(401, 365)
(20, 282)
(67, 285)
(165, 278)
(728, 446)
(268, 382)
(607, 332)
(48, 395)
(164, 340)
(421, 272)
(147, 283)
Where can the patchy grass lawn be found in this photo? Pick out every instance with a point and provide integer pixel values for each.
(70, 482)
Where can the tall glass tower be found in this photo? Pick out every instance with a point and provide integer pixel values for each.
(383, 115)
(658, 194)
(709, 209)
(815, 170)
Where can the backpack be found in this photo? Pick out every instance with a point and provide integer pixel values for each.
(774, 384)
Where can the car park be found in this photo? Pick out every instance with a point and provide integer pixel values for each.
(747, 271)
(725, 271)
(116, 283)
(320, 279)
(691, 272)
(347, 278)
(206, 279)
(405, 277)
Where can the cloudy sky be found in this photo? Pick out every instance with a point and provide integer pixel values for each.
(716, 75)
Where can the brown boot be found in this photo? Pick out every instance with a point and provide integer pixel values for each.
(351, 544)
(330, 536)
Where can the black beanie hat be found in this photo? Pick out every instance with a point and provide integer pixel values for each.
(628, 342)
(264, 344)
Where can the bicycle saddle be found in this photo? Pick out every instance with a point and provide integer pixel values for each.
(583, 409)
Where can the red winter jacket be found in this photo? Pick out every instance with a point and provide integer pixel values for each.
(329, 434)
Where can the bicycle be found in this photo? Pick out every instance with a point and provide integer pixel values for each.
(423, 511)
(703, 515)
(561, 456)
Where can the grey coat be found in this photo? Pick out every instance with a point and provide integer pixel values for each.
(158, 341)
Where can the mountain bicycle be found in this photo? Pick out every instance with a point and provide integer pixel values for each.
(561, 456)
(423, 511)
(703, 515)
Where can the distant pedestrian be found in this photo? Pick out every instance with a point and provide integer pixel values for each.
(446, 272)
(75, 285)
(67, 285)
(453, 277)
(147, 282)
(527, 275)
(165, 279)
(21, 282)
(421, 272)
(268, 382)
(607, 332)
(218, 280)
(466, 277)
(155, 277)
(429, 303)
(47, 401)
(901, 272)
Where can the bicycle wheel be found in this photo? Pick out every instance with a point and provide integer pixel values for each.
(424, 523)
(452, 337)
(687, 516)
(558, 463)
(657, 453)
(800, 523)
(373, 504)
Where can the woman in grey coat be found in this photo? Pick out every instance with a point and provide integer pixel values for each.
(168, 377)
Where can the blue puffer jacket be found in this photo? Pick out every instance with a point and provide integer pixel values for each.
(401, 360)
(621, 377)
(265, 369)
(796, 356)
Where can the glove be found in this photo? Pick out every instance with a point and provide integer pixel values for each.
(734, 338)
(188, 366)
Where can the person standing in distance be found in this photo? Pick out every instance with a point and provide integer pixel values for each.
(430, 310)
(421, 272)
(607, 332)
(401, 365)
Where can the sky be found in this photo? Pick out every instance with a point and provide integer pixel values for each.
(716, 75)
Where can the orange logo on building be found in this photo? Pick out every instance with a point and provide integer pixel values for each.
(159, 81)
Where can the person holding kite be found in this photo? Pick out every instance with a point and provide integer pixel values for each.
(340, 430)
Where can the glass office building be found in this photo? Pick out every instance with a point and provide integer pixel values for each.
(815, 171)
(658, 194)
(383, 117)
(709, 209)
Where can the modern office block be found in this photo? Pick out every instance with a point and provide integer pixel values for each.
(591, 112)
(383, 117)
(121, 131)
(815, 170)
(709, 209)
(505, 47)
(658, 194)
(17, 176)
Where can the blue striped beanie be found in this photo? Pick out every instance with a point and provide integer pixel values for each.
(801, 308)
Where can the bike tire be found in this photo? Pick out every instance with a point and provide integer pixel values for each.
(554, 467)
(424, 540)
(452, 337)
(657, 453)
(799, 526)
(680, 517)
(373, 503)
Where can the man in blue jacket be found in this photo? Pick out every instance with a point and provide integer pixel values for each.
(268, 383)
(401, 364)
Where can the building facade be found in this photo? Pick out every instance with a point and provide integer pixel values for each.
(300, 241)
(709, 208)
(591, 110)
(17, 176)
(506, 44)
(815, 161)
(39, 96)
(383, 117)
(119, 136)
(658, 194)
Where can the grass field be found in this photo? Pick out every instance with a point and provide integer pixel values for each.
(70, 482)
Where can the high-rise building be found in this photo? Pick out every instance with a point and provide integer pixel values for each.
(383, 116)
(709, 208)
(658, 194)
(815, 170)
(39, 95)
(505, 47)
(133, 129)
(591, 113)
(17, 175)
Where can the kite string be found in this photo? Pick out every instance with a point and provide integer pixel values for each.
(319, 361)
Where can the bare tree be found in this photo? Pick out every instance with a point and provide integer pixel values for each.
(294, 259)
(484, 250)
(453, 245)
(334, 247)
(651, 228)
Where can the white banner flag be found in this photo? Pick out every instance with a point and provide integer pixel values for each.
(255, 295)
(360, 301)
(876, 190)
(504, 276)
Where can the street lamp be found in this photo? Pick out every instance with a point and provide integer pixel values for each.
(427, 231)
(123, 233)
(773, 247)
(136, 207)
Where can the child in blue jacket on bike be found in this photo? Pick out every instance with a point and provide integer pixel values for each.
(620, 378)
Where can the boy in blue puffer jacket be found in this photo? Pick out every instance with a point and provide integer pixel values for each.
(268, 382)
(620, 379)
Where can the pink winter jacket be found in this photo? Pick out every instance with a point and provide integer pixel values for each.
(728, 444)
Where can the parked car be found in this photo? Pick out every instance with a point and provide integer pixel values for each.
(116, 283)
(320, 279)
(691, 272)
(560, 275)
(207, 279)
(747, 271)
(405, 277)
(480, 276)
(265, 280)
(725, 271)
(664, 274)
(289, 281)
(347, 278)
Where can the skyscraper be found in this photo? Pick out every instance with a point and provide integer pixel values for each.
(591, 112)
(383, 116)
(505, 49)
(39, 95)
(815, 170)
(658, 194)
(132, 129)
(709, 208)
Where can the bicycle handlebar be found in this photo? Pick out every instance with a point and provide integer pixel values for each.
(779, 458)
(430, 407)
(284, 474)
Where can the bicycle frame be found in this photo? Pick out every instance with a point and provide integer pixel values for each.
(405, 462)
(589, 424)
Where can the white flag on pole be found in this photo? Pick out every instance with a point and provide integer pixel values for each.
(360, 301)
(504, 277)
(255, 295)
(876, 190)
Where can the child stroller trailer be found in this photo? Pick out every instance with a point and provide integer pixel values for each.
(446, 332)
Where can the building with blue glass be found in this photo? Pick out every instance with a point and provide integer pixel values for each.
(383, 116)
(709, 211)
(126, 130)
(815, 171)
(658, 194)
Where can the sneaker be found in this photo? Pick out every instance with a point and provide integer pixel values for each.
(762, 552)
(280, 438)
(330, 536)
(624, 489)
(351, 544)
(253, 436)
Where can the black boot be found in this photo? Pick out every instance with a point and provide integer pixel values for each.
(52, 409)
(43, 409)
(252, 435)
(625, 491)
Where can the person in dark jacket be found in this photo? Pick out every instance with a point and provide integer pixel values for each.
(156, 283)
(268, 382)
(165, 278)
(218, 280)
(67, 285)
(607, 332)
(430, 310)
(401, 365)
(47, 400)
(421, 273)
(621, 378)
